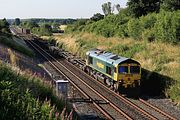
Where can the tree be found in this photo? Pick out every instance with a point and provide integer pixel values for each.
(107, 9)
(17, 22)
(45, 29)
(97, 17)
(170, 5)
(4, 26)
(29, 24)
(118, 7)
(138, 8)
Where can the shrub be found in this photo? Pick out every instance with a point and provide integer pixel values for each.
(167, 26)
(135, 28)
(148, 21)
(148, 35)
(122, 31)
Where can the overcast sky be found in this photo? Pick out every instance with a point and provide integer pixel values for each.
(52, 8)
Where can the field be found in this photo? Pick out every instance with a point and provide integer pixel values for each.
(160, 61)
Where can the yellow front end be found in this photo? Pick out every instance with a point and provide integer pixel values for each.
(128, 78)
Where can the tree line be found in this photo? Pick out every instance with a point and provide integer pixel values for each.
(4, 26)
(42, 27)
(142, 19)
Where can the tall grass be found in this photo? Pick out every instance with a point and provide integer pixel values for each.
(24, 96)
(12, 56)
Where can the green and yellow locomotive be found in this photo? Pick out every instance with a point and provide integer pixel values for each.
(120, 73)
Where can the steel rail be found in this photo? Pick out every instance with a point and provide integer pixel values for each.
(99, 107)
(157, 109)
(121, 97)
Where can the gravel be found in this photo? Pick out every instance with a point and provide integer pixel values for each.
(84, 109)
(166, 105)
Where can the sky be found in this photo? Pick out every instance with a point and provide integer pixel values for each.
(53, 8)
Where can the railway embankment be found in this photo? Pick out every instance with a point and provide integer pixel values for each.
(160, 61)
(15, 43)
(25, 89)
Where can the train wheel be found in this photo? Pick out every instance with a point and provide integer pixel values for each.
(105, 81)
(108, 82)
(116, 86)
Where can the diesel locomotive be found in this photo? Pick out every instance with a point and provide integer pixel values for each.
(120, 73)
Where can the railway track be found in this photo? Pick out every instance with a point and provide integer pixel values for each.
(146, 110)
(103, 102)
(100, 102)
(103, 95)
(141, 114)
(132, 108)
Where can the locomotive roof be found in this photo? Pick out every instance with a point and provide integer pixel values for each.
(108, 57)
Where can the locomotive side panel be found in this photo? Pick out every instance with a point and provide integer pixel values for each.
(101, 66)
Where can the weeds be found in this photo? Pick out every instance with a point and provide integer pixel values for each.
(12, 56)
(27, 97)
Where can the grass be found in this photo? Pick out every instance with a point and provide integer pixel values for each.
(24, 96)
(13, 58)
(8, 41)
(161, 59)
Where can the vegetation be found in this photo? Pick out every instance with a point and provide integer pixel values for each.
(43, 27)
(147, 20)
(107, 8)
(97, 17)
(41, 30)
(17, 22)
(26, 97)
(51, 21)
(10, 42)
(138, 8)
(4, 27)
(7, 39)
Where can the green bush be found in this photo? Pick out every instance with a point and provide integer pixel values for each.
(148, 21)
(167, 26)
(4, 26)
(122, 31)
(173, 91)
(163, 26)
(135, 29)
(148, 35)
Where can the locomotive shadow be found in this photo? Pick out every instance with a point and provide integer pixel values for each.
(154, 84)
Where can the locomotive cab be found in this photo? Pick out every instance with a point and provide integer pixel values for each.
(129, 73)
